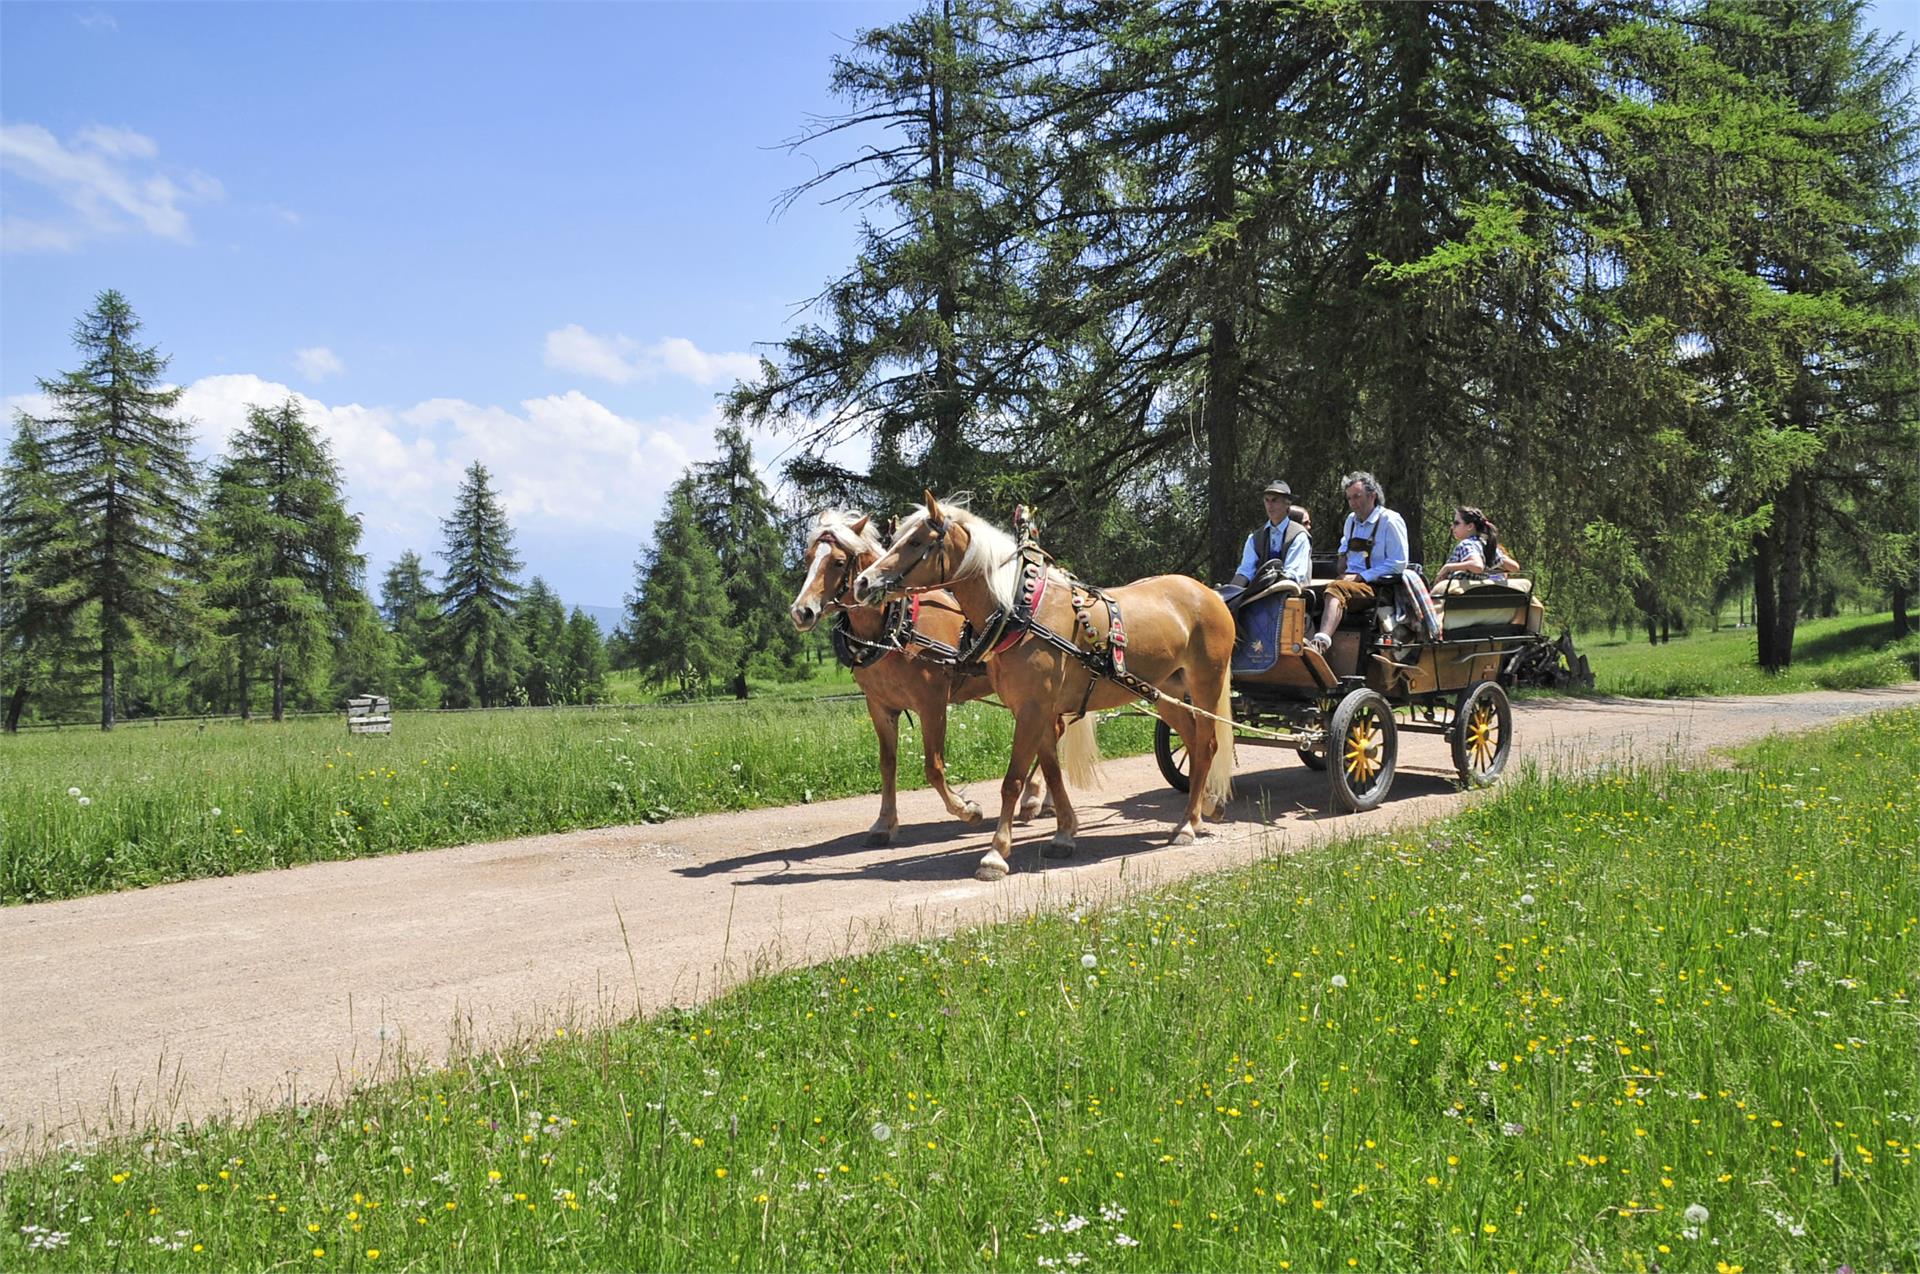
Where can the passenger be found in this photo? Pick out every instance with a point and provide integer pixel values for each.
(1281, 541)
(1373, 543)
(1476, 549)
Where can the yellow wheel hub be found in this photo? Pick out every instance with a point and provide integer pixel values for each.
(1483, 735)
(1365, 742)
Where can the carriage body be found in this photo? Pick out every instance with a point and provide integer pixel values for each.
(1342, 712)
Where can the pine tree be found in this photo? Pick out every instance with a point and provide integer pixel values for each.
(478, 644)
(411, 607)
(119, 463)
(584, 667)
(678, 611)
(541, 622)
(39, 576)
(737, 516)
(285, 559)
(921, 341)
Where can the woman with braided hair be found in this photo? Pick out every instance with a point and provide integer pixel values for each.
(1476, 549)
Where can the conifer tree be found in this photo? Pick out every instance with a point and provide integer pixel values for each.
(584, 667)
(478, 644)
(285, 549)
(678, 611)
(411, 608)
(542, 624)
(118, 459)
(39, 573)
(738, 518)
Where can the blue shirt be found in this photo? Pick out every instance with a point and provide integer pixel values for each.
(1298, 564)
(1388, 530)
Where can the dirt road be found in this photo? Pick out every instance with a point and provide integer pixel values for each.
(231, 994)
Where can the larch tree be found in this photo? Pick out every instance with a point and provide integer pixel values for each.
(479, 646)
(738, 518)
(118, 458)
(285, 551)
(678, 611)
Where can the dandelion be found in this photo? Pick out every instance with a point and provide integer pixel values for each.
(216, 811)
(1339, 980)
(1526, 900)
(881, 1132)
(1696, 1214)
(1089, 961)
(85, 801)
(73, 791)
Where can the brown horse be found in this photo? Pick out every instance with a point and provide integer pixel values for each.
(1179, 637)
(900, 681)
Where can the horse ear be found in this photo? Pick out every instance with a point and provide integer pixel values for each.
(860, 527)
(933, 506)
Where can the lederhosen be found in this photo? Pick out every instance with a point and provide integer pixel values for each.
(1354, 593)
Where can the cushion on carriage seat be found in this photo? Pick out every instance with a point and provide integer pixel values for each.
(1484, 608)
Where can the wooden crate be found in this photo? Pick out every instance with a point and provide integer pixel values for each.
(368, 714)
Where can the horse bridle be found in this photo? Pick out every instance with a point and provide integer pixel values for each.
(849, 570)
(894, 583)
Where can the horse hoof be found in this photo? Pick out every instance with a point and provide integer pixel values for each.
(991, 868)
(1182, 837)
(880, 836)
(1059, 847)
(973, 814)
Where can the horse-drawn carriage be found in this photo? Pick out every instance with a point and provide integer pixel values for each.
(1392, 667)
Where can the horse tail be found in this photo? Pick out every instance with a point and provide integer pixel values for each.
(1080, 754)
(1220, 774)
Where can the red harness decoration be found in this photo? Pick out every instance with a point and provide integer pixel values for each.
(1034, 588)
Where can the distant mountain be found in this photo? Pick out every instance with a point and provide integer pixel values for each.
(608, 617)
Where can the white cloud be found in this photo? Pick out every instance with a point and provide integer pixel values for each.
(621, 358)
(318, 363)
(103, 181)
(97, 21)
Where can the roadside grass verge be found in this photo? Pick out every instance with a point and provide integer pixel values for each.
(1852, 652)
(1647, 1021)
(182, 801)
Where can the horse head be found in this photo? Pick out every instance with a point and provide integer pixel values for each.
(840, 547)
(928, 541)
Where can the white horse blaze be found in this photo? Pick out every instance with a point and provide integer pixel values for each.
(821, 552)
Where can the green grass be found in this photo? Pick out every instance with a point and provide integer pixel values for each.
(1537, 1036)
(824, 679)
(1848, 653)
(179, 801)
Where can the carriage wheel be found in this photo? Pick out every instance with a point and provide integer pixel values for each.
(1362, 744)
(1313, 760)
(1170, 750)
(1482, 734)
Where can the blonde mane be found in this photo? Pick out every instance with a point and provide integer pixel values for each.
(837, 525)
(991, 553)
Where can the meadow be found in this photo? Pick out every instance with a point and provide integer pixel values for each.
(1850, 652)
(1645, 1022)
(84, 812)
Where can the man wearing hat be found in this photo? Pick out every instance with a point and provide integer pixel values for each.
(1281, 538)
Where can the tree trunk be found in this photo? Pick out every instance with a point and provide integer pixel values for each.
(1793, 534)
(279, 686)
(106, 680)
(17, 704)
(1763, 598)
(1225, 359)
(1901, 624)
(245, 674)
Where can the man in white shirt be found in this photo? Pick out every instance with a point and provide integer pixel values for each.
(1281, 538)
(1373, 544)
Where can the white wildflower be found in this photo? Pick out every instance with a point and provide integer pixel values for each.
(1696, 1214)
(1526, 900)
(881, 1132)
(1089, 961)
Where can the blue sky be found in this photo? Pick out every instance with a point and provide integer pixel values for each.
(541, 237)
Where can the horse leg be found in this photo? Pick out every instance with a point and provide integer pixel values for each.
(1199, 745)
(1038, 798)
(1032, 725)
(1210, 749)
(933, 743)
(886, 727)
(1061, 846)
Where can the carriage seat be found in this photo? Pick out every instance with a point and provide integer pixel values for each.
(1477, 608)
